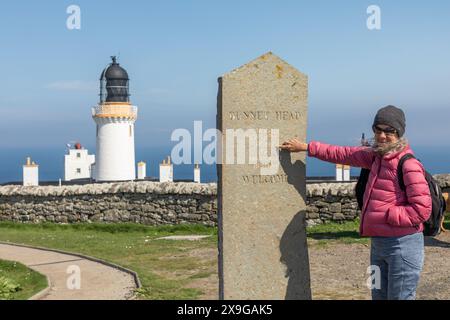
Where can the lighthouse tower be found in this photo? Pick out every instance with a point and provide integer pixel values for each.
(114, 117)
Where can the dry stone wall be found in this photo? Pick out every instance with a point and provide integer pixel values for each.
(157, 203)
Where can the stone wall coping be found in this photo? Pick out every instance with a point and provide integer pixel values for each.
(112, 188)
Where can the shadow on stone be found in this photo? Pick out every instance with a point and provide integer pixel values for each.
(296, 172)
(293, 244)
(294, 255)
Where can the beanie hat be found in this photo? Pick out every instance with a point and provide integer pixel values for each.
(391, 116)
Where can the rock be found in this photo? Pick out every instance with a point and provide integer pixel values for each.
(443, 180)
(335, 207)
(321, 204)
(312, 209)
(111, 215)
(338, 216)
(312, 215)
(205, 206)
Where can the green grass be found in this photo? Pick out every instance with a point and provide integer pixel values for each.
(447, 221)
(167, 269)
(112, 228)
(346, 232)
(17, 282)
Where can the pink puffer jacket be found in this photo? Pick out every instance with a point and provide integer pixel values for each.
(387, 211)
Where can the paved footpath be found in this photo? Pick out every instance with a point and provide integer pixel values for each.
(98, 281)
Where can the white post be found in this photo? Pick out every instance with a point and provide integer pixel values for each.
(92, 171)
(166, 171)
(142, 168)
(197, 173)
(30, 173)
(339, 172)
(346, 173)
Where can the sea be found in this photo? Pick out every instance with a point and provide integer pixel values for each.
(51, 163)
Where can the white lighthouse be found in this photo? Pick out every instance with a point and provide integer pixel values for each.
(115, 118)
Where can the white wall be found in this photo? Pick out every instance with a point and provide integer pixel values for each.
(30, 175)
(72, 162)
(142, 171)
(339, 175)
(165, 173)
(115, 150)
(197, 175)
(346, 173)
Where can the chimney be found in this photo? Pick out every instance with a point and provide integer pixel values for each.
(196, 173)
(30, 172)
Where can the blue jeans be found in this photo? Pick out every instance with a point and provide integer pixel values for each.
(400, 261)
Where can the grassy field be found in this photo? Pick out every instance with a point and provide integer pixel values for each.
(17, 282)
(168, 269)
(347, 232)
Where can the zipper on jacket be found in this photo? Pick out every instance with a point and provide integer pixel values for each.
(361, 229)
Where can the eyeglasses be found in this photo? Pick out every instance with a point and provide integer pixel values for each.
(389, 132)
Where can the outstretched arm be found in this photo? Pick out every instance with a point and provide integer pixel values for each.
(353, 156)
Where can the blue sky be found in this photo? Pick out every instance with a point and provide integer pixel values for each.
(174, 51)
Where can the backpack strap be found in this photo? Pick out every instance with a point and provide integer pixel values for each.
(400, 169)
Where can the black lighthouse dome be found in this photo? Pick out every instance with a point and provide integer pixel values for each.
(115, 80)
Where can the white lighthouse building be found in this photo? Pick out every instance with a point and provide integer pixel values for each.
(78, 163)
(115, 118)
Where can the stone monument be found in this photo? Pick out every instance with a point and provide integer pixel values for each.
(262, 191)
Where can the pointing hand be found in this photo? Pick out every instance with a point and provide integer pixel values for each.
(294, 145)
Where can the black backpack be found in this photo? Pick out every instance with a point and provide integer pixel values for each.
(432, 226)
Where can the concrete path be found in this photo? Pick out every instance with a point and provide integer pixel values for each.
(97, 281)
(188, 238)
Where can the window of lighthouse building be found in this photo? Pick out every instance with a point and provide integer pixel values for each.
(78, 170)
(131, 131)
(78, 155)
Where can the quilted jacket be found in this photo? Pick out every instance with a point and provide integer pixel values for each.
(387, 210)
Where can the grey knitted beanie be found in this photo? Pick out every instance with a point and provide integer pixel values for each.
(391, 116)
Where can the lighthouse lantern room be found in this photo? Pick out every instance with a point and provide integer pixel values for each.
(115, 117)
